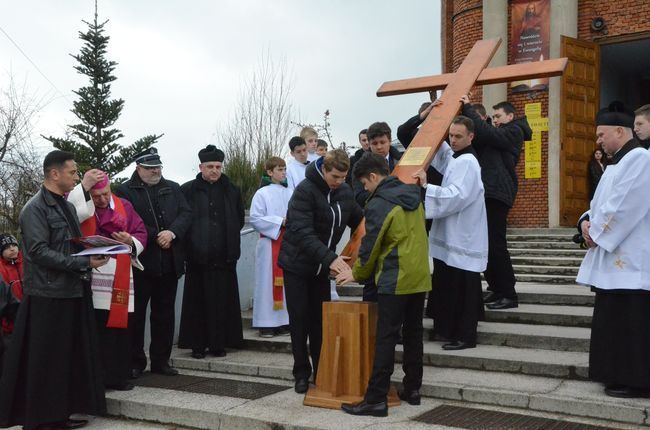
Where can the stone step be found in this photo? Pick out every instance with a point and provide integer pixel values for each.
(572, 401)
(557, 315)
(542, 230)
(546, 261)
(535, 336)
(545, 278)
(541, 237)
(530, 361)
(543, 245)
(528, 292)
(527, 269)
(542, 252)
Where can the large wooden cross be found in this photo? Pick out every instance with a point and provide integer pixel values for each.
(433, 130)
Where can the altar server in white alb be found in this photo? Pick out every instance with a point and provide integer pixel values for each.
(617, 265)
(458, 239)
(298, 163)
(267, 216)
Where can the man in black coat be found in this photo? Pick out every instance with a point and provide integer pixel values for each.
(211, 316)
(52, 369)
(319, 210)
(498, 148)
(167, 217)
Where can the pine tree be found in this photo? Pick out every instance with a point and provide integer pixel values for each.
(94, 139)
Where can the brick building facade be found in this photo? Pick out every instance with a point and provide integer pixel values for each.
(540, 200)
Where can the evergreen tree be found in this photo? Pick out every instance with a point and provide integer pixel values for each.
(94, 139)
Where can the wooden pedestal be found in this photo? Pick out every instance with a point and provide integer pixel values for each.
(347, 355)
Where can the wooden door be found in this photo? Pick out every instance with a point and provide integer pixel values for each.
(580, 102)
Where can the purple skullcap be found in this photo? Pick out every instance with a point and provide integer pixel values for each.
(101, 184)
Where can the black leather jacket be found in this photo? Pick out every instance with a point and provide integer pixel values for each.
(50, 271)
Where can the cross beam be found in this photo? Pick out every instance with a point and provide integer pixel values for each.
(433, 130)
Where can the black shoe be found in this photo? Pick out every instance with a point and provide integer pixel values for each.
(503, 303)
(197, 353)
(458, 345)
(121, 386)
(71, 424)
(490, 297)
(363, 408)
(218, 352)
(410, 397)
(302, 385)
(164, 369)
(136, 373)
(625, 392)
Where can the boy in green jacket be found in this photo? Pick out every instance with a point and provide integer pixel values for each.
(394, 250)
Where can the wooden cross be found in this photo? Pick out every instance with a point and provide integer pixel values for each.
(433, 130)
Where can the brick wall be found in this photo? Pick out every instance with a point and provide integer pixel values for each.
(466, 28)
(621, 17)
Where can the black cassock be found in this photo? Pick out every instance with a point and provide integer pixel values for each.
(455, 302)
(52, 367)
(211, 315)
(620, 338)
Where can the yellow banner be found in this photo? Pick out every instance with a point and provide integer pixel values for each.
(533, 157)
(538, 124)
(533, 110)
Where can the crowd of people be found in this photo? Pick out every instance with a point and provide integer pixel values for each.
(74, 325)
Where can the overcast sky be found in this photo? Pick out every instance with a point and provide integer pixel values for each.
(180, 63)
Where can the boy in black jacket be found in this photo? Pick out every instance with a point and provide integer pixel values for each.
(321, 207)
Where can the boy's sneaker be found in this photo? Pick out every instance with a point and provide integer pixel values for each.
(267, 332)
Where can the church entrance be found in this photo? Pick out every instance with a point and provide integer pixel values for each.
(596, 75)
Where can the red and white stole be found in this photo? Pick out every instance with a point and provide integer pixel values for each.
(118, 316)
(278, 274)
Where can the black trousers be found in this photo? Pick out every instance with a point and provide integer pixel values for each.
(499, 274)
(305, 297)
(394, 311)
(161, 291)
(456, 302)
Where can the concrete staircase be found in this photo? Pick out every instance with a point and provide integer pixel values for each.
(532, 360)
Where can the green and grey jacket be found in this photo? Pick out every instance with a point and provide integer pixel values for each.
(395, 247)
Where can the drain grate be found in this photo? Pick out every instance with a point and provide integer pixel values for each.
(481, 419)
(215, 386)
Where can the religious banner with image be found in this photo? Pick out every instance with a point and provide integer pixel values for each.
(530, 39)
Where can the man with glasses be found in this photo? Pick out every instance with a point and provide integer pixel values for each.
(167, 217)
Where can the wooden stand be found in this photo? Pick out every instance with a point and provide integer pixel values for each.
(347, 355)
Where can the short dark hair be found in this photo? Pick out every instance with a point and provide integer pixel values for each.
(463, 120)
(296, 141)
(424, 106)
(56, 160)
(643, 110)
(480, 109)
(364, 131)
(320, 143)
(336, 159)
(370, 163)
(506, 106)
(378, 129)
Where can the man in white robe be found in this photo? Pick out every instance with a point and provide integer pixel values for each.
(267, 216)
(458, 239)
(616, 230)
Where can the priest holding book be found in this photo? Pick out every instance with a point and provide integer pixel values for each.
(101, 213)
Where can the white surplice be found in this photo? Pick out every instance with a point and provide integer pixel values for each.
(295, 173)
(620, 225)
(458, 234)
(268, 209)
(102, 277)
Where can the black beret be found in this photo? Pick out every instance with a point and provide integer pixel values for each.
(615, 114)
(211, 153)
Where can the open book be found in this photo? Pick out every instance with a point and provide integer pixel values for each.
(100, 245)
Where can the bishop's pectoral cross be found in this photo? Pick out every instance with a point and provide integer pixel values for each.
(433, 130)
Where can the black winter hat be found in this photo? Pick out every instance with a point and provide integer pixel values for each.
(615, 114)
(6, 240)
